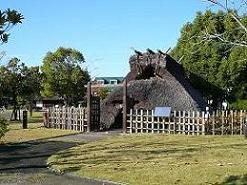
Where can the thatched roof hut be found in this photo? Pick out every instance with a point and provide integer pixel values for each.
(155, 79)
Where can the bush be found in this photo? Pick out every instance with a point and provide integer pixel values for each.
(3, 126)
(239, 105)
(103, 92)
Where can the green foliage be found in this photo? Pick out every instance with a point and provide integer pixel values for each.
(239, 105)
(63, 75)
(103, 92)
(8, 19)
(3, 126)
(212, 65)
(19, 82)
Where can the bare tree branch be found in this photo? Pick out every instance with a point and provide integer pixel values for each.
(225, 6)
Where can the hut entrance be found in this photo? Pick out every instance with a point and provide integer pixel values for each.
(147, 73)
(118, 123)
(118, 118)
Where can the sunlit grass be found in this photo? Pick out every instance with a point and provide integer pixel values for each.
(35, 131)
(158, 159)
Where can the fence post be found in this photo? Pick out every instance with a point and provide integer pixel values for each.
(45, 119)
(222, 122)
(24, 119)
(203, 123)
(213, 130)
(125, 106)
(89, 105)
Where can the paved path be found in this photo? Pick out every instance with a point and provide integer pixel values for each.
(25, 163)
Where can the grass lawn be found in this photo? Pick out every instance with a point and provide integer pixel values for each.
(35, 131)
(159, 159)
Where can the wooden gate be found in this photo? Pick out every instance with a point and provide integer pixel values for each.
(93, 110)
(95, 113)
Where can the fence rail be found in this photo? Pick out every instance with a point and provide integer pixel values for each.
(69, 118)
(187, 122)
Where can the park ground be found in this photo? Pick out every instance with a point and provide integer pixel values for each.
(158, 159)
(23, 154)
(26, 155)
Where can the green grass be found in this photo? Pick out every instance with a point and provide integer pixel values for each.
(37, 117)
(159, 159)
(35, 130)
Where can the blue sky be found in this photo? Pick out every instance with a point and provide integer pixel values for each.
(103, 30)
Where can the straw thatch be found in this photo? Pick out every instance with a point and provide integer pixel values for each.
(155, 80)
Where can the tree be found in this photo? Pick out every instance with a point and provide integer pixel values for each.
(32, 83)
(103, 92)
(20, 83)
(236, 10)
(8, 19)
(64, 76)
(216, 68)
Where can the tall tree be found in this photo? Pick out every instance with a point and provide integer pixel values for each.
(64, 76)
(8, 18)
(20, 83)
(218, 69)
(236, 10)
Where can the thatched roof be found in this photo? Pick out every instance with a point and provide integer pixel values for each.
(155, 80)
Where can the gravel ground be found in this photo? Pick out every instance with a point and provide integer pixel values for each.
(25, 163)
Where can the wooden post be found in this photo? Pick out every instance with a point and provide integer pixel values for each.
(241, 122)
(232, 122)
(222, 122)
(131, 122)
(45, 118)
(152, 122)
(203, 123)
(213, 130)
(89, 105)
(142, 121)
(147, 121)
(184, 121)
(24, 119)
(193, 123)
(125, 106)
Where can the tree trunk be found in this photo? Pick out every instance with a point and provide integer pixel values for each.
(14, 114)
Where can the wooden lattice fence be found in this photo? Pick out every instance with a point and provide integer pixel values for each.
(187, 122)
(68, 118)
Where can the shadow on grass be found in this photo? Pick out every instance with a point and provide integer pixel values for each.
(112, 153)
(235, 180)
(30, 155)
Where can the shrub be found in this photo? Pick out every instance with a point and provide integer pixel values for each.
(103, 92)
(239, 105)
(3, 126)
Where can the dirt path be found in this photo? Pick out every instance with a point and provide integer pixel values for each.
(25, 163)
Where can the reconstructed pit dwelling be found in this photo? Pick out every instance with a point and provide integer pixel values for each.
(155, 79)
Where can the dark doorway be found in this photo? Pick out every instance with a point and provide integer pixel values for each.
(147, 73)
(118, 123)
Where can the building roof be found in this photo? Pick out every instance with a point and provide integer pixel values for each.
(108, 79)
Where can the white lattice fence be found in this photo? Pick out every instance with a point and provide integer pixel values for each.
(187, 122)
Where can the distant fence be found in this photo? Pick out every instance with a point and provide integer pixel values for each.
(68, 118)
(187, 122)
(83, 119)
(2, 110)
